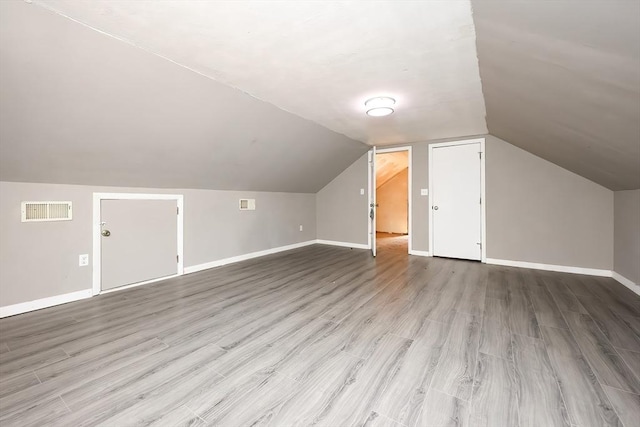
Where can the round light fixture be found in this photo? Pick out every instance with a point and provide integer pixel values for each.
(379, 106)
(380, 111)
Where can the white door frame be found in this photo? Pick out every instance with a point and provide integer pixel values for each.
(97, 247)
(408, 149)
(371, 200)
(483, 211)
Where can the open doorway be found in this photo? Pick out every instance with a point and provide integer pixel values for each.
(393, 182)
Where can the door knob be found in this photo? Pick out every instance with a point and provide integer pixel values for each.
(106, 233)
(435, 208)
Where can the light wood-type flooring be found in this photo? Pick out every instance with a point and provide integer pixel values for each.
(329, 336)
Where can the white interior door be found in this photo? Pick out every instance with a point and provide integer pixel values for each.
(372, 199)
(456, 201)
(139, 241)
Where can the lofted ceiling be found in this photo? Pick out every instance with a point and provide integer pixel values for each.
(319, 59)
(561, 79)
(389, 165)
(77, 107)
(268, 95)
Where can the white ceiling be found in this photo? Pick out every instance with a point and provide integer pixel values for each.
(319, 59)
(78, 107)
(560, 79)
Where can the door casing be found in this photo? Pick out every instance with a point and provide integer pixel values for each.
(96, 229)
(372, 191)
(483, 231)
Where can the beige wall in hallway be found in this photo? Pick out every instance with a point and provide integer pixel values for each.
(392, 199)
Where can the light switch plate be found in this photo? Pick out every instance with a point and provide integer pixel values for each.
(362, 191)
(424, 191)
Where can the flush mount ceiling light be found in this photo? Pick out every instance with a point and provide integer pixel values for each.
(379, 106)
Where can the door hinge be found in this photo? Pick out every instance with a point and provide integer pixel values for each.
(178, 211)
(480, 153)
(480, 200)
(177, 258)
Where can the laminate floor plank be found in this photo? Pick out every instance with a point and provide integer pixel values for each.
(618, 332)
(179, 417)
(522, 316)
(632, 359)
(73, 379)
(587, 403)
(603, 358)
(12, 364)
(155, 386)
(494, 401)
(562, 295)
(15, 384)
(440, 410)
(627, 405)
(454, 374)
(403, 398)
(349, 393)
(540, 402)
(331, 337)
(495, 335)
(376, 420)
(546, 310)
(44, 412)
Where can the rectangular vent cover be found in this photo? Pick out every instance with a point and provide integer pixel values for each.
(247, 204)
(46, 211)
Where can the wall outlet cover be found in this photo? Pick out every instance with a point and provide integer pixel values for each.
(83, 260)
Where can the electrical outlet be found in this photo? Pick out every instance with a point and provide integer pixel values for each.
(300, 227)
(83, 260)
(362, 191)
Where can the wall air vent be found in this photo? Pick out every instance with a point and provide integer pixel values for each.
(247, 204)
(46, 211)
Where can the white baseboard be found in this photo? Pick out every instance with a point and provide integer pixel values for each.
(23, 307)
(244, 257)
(418, 253)
(343, 244)
(551, 267)
(635, 287)
(135, 285)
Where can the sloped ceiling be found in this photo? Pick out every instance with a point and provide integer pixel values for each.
(561, 79)
(319, 59)
(389, 165)
(79, 107)
(148, 99)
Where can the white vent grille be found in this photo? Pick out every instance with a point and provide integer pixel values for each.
(247, 204)
(46, 211)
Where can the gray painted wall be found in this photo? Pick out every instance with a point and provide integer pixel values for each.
(539, 212)
(627, 234)
(536, 211)
(341, 209)
(40, 260)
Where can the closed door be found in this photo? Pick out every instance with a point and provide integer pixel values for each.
(139, 241)
(456, 201)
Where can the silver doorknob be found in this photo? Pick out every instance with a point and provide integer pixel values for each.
(106, 233)
(435, 208)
